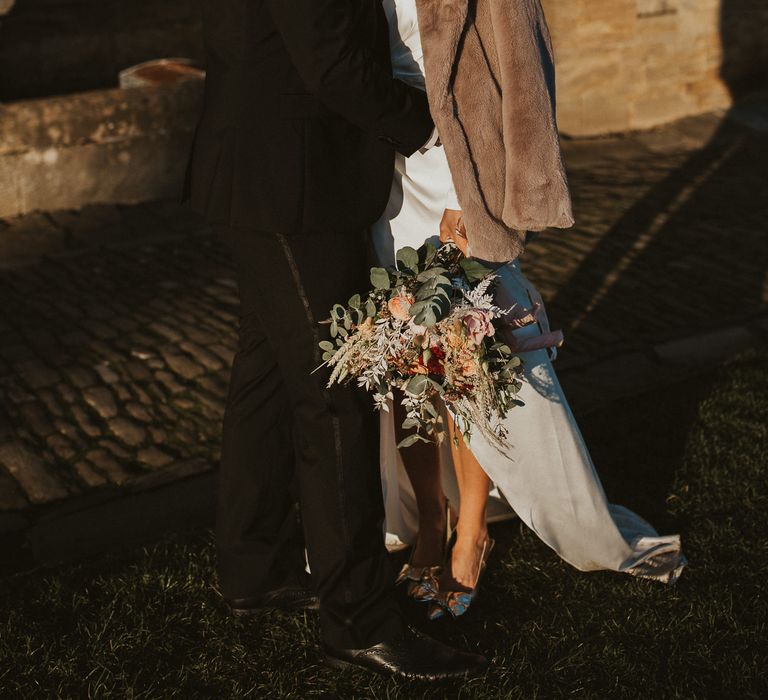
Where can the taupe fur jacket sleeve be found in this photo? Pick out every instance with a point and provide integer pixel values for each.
(491, 88)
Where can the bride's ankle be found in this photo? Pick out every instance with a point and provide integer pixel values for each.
(474, 536)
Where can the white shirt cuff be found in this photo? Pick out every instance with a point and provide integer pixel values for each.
(432, 141)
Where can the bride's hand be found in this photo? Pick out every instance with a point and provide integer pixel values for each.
(452, 229)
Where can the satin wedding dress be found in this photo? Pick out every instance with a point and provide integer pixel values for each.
(549, 480)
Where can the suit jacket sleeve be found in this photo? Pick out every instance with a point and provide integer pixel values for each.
(347, 77)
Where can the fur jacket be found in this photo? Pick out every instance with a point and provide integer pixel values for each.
(491, 87)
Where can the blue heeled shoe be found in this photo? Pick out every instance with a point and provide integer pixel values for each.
(456, 603)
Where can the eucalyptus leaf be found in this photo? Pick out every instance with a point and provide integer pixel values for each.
(440, 307)
(379, 278)
(473, 270)
(430, 409)
(416, 385)
(370, 308)
(411, 440)
(426, 317)
(327, 345)
(354, 301)
(429, 254)
(425, 293)
(409, 258)
(419, 306)
(430, 273)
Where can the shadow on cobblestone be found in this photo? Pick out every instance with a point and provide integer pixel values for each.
(115, 352)
(688, 251)
(688, 255)
(113, 368)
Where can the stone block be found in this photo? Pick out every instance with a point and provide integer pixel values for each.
(101, 400)
(88, 474)
(118, 146)
(127, 431)
(30, 472)
(107, 464)
(154, 458)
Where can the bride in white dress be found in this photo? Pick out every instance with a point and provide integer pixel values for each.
(549, 481)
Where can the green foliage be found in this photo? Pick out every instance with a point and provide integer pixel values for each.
(411, 439)
(474, 270)
(432, 281)
(416, 385)
(379, 278)
(407, 258)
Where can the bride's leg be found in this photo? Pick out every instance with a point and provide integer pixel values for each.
(472, 530)
(422, 464)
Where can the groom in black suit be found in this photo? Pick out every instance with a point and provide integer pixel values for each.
(293, 160)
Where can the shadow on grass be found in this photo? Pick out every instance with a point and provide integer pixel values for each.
(149, 624)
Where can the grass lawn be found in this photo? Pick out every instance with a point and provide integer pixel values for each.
(148, 623)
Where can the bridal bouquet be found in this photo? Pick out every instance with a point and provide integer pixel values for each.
(430, 327)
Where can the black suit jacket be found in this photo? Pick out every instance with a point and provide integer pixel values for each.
(301, 116)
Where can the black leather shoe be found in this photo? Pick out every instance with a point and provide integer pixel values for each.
(414, 656)
(286, 598)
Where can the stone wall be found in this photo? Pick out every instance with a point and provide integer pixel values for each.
(118, 146)
(633, 64)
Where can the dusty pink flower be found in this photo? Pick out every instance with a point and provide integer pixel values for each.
(478, 325)
(400, 306)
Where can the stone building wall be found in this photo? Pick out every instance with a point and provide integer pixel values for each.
(633, 64)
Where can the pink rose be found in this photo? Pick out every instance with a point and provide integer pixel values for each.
(478, 325)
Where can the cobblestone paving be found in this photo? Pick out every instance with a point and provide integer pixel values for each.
(670, 238)
(115, 351)
(113, 365)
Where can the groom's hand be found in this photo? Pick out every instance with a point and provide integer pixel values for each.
(452, 229)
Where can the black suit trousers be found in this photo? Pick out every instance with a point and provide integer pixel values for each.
(300, 461)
